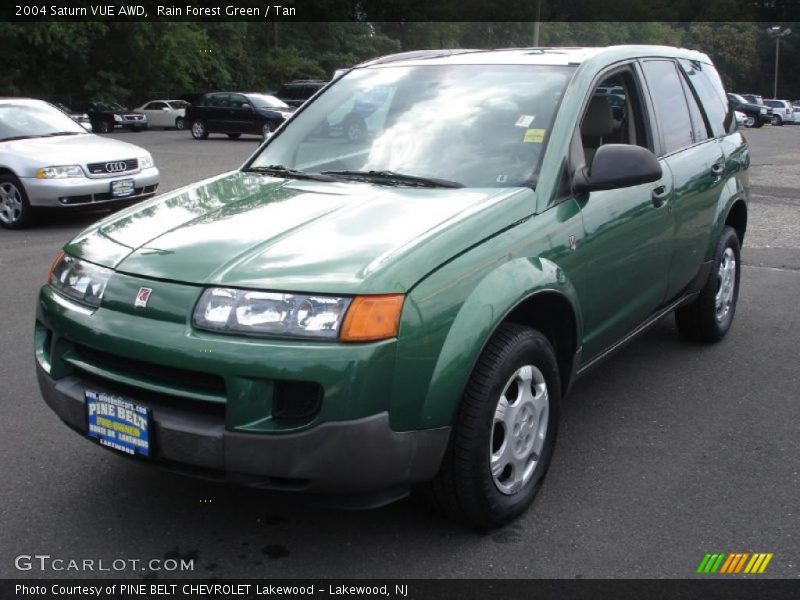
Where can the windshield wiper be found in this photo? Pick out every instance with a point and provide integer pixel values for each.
(20, 137)
(64, 133)
(281, 171)
(392, 178)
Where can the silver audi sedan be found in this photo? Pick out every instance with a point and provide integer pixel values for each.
(47, 160)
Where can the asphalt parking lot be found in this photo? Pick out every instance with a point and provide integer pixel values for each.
(666, 452)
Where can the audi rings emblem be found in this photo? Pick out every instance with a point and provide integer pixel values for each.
(116, 167)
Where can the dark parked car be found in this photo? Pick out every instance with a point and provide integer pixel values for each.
(295, 93)
(235, 113)
(107, 116)
(757, 114)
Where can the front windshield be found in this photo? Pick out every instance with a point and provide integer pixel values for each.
(264, 101)
(476, 125)
(34, 120)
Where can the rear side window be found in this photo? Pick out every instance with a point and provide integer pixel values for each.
(699, 129)
(708, 86)
(670, 104)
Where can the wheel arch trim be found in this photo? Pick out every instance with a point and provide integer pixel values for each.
(480, 314)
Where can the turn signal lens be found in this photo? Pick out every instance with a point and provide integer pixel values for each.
(372, 318)
(56, 260)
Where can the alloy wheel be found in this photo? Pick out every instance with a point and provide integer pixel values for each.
(11, 206)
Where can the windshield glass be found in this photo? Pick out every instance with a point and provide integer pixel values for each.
(477, 125)
(33, 120)
(262, 101)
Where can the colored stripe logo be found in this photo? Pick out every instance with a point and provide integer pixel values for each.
(734, 562)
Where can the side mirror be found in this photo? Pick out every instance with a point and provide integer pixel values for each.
(247, 107)
(165, 109)
(617, 166)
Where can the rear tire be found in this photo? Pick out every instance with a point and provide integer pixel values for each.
(776, 120)
(15, 210)
(709, 317)
(504, 433)
(180, 123)
(199, 130)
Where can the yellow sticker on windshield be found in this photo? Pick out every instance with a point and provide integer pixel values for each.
(533, 136)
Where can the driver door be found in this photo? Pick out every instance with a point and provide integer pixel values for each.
(623, 265)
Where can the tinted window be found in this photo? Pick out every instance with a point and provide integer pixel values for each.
(699, 129)
(155, 106)
(217, 100)
(670, 104)
(237, 100)
(708, 86)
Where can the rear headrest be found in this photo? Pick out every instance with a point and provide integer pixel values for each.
(599, 119)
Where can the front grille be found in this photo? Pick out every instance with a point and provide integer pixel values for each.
(89, 198)
(213, 410)
(192, 381)
(113, 167)
(133, 117)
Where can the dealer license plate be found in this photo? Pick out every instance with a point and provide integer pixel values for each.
(118, 423)
(122, 188)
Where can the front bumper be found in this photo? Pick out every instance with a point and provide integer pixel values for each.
(213, 397)
(355, 456)
(83, 191)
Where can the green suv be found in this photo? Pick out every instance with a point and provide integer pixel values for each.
(408, 310)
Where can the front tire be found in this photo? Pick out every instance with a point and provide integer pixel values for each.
(15, 210)
(504, 432)
(776, 120)
(750, 121)
(199, 130)
(709, 317)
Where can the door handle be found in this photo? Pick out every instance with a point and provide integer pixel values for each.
(717, 169)
(660, 195)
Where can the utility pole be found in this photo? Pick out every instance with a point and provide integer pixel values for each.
(536, 23)
(777, 32)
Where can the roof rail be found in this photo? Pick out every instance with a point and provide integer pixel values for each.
(416, 54)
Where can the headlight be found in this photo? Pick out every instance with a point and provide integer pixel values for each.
(59, 172)
(146, 162)
(276, 314)
(117, 118)
(270, 313)
(78, 279)
(763, 111)
(286, 115)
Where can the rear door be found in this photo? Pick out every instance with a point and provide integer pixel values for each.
(156, 113)
(697, 163)
(216, 112)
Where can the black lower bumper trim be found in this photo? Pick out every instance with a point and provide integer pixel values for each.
(353, 456)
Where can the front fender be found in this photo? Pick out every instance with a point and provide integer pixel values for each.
(443, 337)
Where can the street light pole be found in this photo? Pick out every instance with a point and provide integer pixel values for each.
(777, 60)
(777, 32)
(536, 23)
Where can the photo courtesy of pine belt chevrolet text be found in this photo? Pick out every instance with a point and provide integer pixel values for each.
(405, 309)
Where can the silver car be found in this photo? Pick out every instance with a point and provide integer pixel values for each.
(47, 160)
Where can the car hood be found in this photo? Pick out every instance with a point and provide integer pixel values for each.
(71, 150)
(249, 230)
